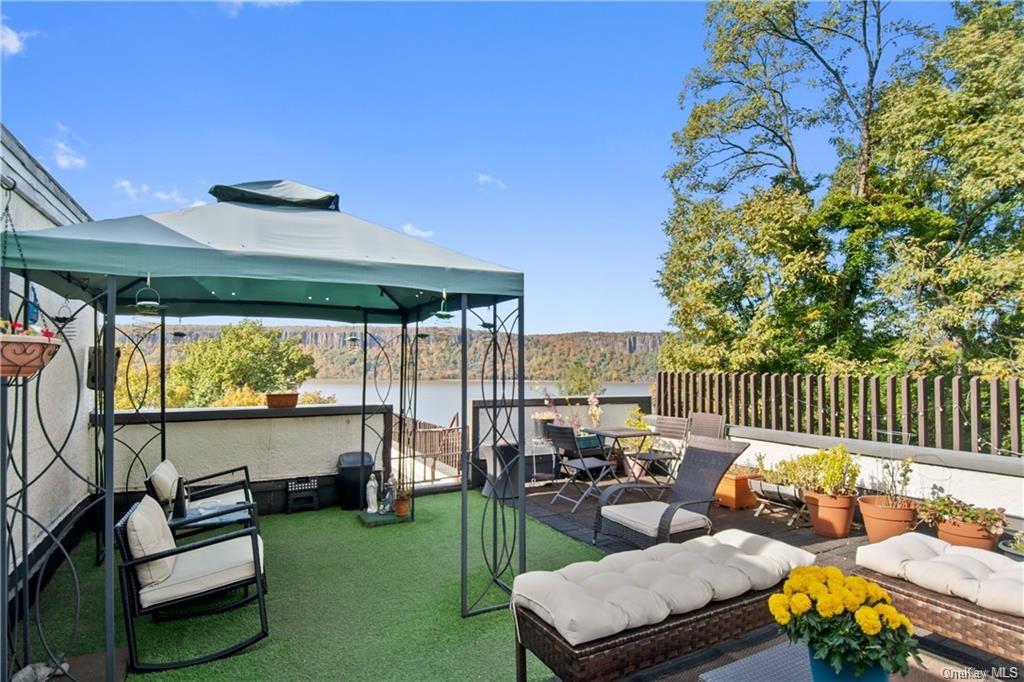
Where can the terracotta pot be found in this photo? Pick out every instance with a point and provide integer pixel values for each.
(882, 521)
(967, 535)
(402, 506)
(733, 491)
(23, 356)
(282, 399)
(831, 515)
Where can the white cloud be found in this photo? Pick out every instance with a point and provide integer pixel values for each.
(234, 7)
(414, 231)
(131, 190)
(12, 42)
(171, 197)
(487, 180)
(197, 202)
(65, 155)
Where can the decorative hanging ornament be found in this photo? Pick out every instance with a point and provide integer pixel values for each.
(147, 300)
(443, 313)
(65, 320)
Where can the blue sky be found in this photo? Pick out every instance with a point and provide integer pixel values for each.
(533, 135)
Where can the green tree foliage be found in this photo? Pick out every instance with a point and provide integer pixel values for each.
(244, 355)
(907, 255)
(578, 379)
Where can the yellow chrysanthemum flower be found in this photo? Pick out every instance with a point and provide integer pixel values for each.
(877, 594)
(893, 618)
(832, 573)
(800, 603)
(778, 601)
(868, 620)
(782, 617)
(907, 625)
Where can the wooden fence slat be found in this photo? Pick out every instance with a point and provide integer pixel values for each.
(956, 403)
(890, 407)
(796, 402)
(995, 405)
(809, 403)
(862, 411)
(821, 404)
(875, 397)
(765, 420)
(736, 398)
(743, 400)
(905, 426)
(833, 397)
(774, 401)
(922, 412)
(974, 397)
(784, 381)
(940, 417)
(847, 408)
(1013, 387)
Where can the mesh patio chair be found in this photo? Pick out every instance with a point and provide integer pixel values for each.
(690, 497)
(585, 471)
(706, 424)
(202, 496)
(159, 578)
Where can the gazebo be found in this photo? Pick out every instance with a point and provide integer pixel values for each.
(274, 249)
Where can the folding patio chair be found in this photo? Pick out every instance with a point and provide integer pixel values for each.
(585, 471)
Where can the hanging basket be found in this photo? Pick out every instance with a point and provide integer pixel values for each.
(22, 356)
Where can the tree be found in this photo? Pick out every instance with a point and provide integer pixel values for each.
(578, 379)
(244, 355)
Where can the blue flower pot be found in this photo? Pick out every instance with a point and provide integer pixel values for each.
(823, 672)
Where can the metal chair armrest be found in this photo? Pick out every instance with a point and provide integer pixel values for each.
(192, 546)
(615, 491)
(204, 493)
(224, 511)
(665, 523)
(243, 468)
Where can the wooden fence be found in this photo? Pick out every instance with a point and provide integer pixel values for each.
(433, 444)
(956, 413)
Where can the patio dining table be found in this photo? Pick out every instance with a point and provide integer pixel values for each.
(616, 434)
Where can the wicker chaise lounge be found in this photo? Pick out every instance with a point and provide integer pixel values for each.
(633, 610)
(970, 595)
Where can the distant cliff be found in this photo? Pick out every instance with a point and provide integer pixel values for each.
(616, 356)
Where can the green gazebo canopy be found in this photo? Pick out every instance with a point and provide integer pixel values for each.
(265, 249)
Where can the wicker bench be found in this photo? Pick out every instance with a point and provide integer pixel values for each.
(631, 651)
(1000, 634)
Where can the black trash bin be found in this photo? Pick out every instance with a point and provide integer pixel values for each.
(354, 470)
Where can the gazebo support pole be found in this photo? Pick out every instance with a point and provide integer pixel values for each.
(463, 409)
(5, 285)
(401, 407)
(109, 376)
(362, 419)
(163, 387)
(521, 425)
(26, 605)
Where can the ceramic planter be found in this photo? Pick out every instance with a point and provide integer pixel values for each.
(733, 491)
(22, 356)
(967, 535)
(881, 521)
(831, 515)
(282, 399)
(401, 506)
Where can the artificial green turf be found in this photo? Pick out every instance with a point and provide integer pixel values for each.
(345, 603)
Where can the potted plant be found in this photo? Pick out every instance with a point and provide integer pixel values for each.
(1015, 545)
(24, 351)
(733, 491)
(830, 490)
(403, 494)
(848, 623)
(891, 513)
(961, 523)
(285, 394)
(541, 421)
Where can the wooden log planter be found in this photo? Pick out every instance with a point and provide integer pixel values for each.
(787, 498)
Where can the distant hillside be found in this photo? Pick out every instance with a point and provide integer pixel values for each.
(616, 356)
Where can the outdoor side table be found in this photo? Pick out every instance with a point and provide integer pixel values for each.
(615, 434)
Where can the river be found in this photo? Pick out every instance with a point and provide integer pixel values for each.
(439, 400)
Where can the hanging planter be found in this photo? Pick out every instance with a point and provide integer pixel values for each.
(23, 354)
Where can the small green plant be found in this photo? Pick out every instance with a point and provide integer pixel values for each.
(832, 472)
(936, 510)
(1017, 542)
(742, 470)
(896, 482)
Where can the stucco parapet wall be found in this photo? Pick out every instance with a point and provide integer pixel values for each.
(951, 459)
(207, 414)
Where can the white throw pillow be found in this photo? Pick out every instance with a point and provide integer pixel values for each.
(148, 533)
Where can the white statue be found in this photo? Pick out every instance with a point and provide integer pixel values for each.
(371, 495)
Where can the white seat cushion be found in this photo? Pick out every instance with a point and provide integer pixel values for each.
(164, 480)
(210, 504)
(148, 533)
(988, 579)
(593, 599)
(644, 517)
(204, 569)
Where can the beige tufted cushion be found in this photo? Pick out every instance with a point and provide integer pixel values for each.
(988, 579)
(165, 481)
(644, 517)
(205, 569)
(148, 533)
(593, 599)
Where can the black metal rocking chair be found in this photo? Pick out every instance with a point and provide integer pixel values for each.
(225, 557)
(690, 497)
(204, 495)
